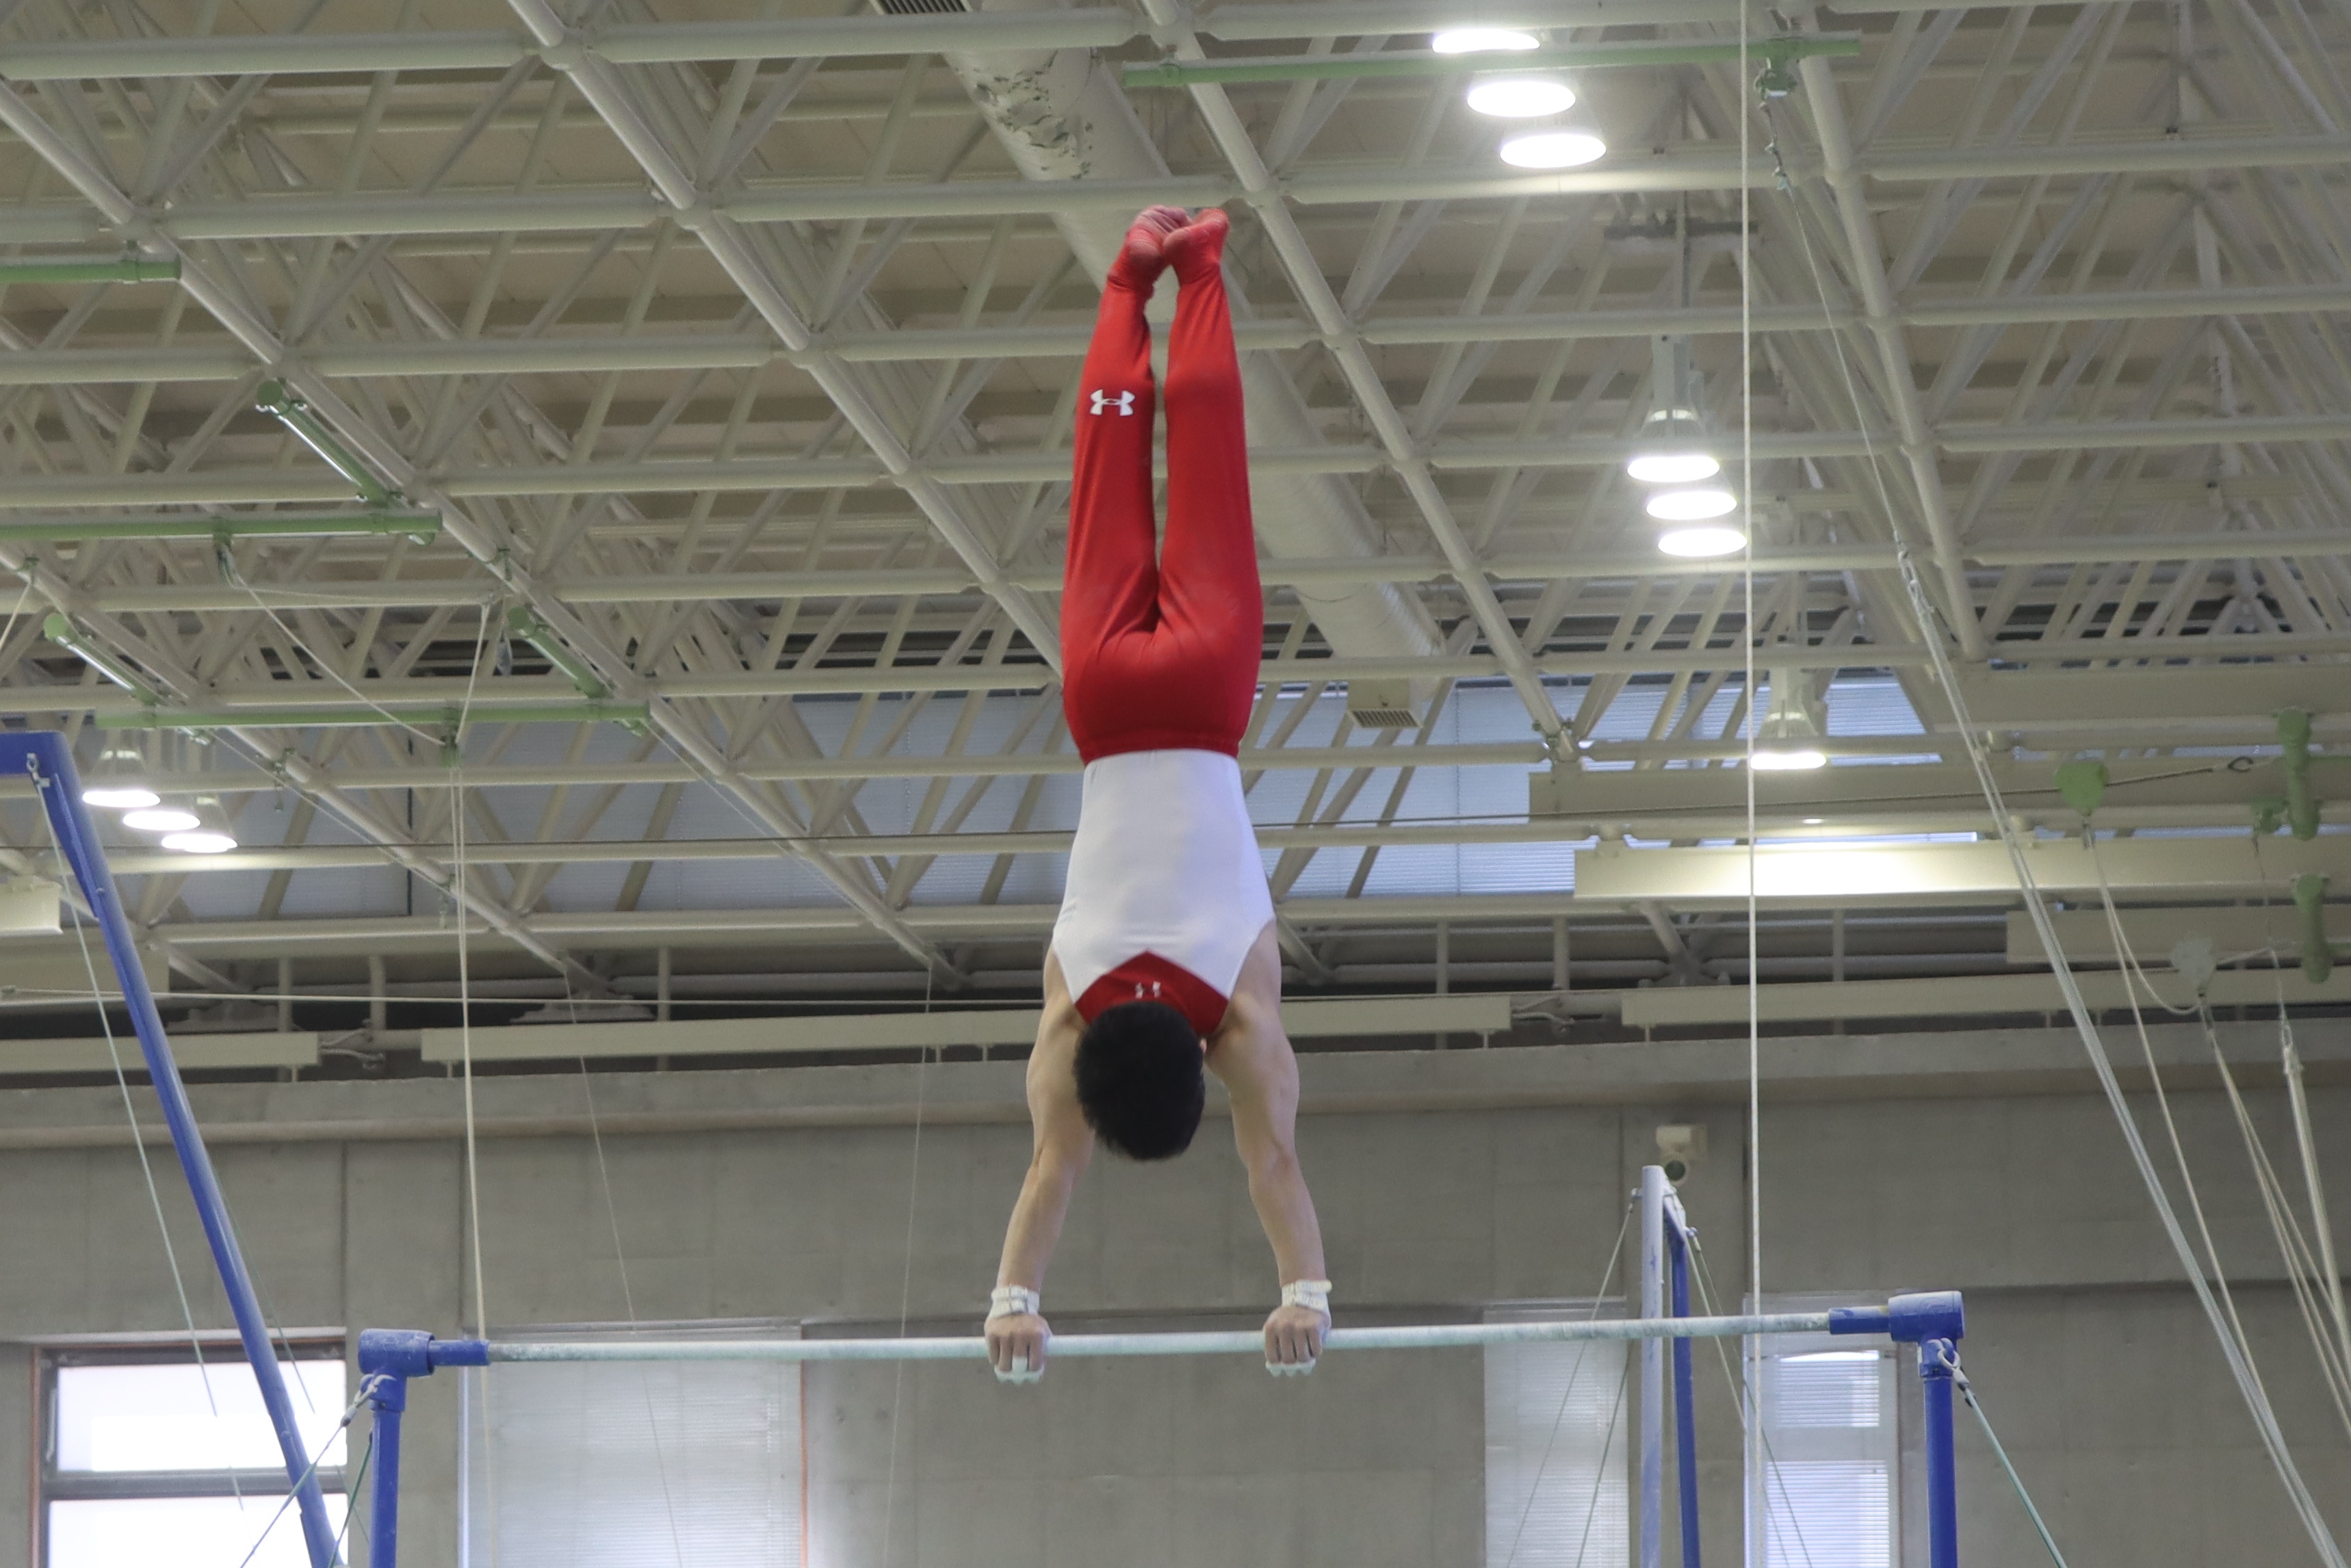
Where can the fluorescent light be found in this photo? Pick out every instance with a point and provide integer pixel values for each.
(1481, 41)
(1552, 149)
(1815, 821)
(119, 797)
(1521, 98)
(1698, 543)
(1795, 761)
(1697, 505)
(200, 841)
(160, 820)
(1672, 468)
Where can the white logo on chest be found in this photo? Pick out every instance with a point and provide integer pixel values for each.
(1124, 403)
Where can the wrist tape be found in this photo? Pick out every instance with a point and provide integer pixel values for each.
(1011, 1301)
(1314, 1295)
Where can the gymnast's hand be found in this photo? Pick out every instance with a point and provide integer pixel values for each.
(1293, 1337)
(1016, 1343)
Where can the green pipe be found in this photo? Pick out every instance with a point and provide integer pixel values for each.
(277, 398)
(91, 269)
(71, 637)
(2301, 803)
(421, 527)
(524, 622)
(2317, 958)
(1776, 50)
(442, 717)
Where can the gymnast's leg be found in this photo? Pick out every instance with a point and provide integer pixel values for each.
(1110, 583)
(1210, 596)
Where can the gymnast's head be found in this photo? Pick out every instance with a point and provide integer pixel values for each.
(1140, 1080)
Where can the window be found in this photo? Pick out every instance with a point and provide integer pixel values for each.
(1555, 1446)
(1832, 1452)
(618, 1464)
(148, 1456)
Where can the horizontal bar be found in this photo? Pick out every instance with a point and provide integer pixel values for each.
(1236, 1342)
(1429, 63)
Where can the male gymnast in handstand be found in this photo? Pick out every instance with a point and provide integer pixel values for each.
(1163, 959)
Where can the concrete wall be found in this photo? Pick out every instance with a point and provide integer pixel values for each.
(1445, 1181)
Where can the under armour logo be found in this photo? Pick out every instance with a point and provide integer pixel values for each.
(1124, 403)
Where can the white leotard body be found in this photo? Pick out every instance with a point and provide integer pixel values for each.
(1165, 862)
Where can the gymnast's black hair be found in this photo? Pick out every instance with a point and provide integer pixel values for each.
(1140, 1080)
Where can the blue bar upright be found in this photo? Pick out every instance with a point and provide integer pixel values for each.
(1935, 1356)
(44, 757)
(1684, 1396)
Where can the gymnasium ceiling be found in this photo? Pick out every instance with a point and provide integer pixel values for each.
(720, 361)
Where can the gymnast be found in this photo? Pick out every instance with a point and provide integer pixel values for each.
(1162, 958)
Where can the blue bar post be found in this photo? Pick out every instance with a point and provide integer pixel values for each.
(1685, 1391)
(1654, 1194)
(388, 1358)
(1935, 1360)
(44, 757)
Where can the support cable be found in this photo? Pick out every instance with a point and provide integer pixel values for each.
(1939, 660)
(1968, 1391)
(1534, 1487)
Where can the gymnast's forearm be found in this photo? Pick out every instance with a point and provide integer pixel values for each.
(1036, 1228)
(1286, 1209)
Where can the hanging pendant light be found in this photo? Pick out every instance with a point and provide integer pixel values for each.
(119, 781)
(1792, 735)
(207, 834)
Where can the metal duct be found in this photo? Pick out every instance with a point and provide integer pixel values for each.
(1062, 115)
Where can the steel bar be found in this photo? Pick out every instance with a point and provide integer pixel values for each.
(712, 351)
(90, 270)
(419, 526)
(450, 717)
(588, 210)
(1649, 1526)
(1419, 63)
(685, 476)
(45, 757)
(892, 37)
(1236, 1342)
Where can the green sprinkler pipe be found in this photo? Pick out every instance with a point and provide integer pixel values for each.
(1769, 53)
(524, 622)
(421, 527)
(446, 717)
(2301, 799)
(2309, 897)
(277, 398)
(91, 269)
(68, 636)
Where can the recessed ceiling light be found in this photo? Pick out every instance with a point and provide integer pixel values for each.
(1552, 149)
(119, 797)
(1521, 98)
(1481, 41)
(1700, 542)
(1672, 468)
(160, 820)
(198, 841)
(1691, 505)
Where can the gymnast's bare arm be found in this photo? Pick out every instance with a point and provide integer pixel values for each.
(1060, 1146)
(1250, 1055)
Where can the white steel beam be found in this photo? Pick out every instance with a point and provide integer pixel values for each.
(1793, 877)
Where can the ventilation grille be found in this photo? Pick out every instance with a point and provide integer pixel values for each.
(922, 7)
(1381, 705)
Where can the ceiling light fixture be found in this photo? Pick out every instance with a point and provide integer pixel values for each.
(115, 785)
(161, 819)
(1521, 98)
(1696, 503)
(1702, 541)
(1481, 41)
(1789, 739)
(1552, 149)
(200, 841)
